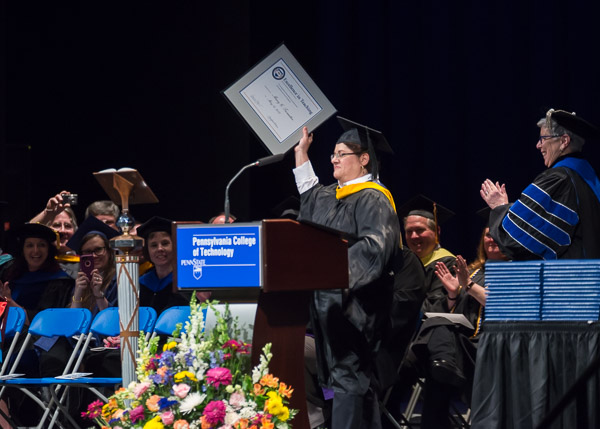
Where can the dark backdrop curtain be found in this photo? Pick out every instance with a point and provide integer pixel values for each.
(456, 87)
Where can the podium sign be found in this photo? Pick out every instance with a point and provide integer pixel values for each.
(212, 256)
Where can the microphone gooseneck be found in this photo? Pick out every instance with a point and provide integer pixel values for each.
(258, 163)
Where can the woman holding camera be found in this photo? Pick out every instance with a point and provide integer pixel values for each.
(96, 283)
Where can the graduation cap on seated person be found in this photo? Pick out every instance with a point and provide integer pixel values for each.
(154, 224)
(91, 225)
(37, 230)
(573, 123)
(371, 140)
(420, 205)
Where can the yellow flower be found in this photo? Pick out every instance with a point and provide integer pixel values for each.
(180, 376)
(274, 405)
(284, 415)
(169, 346)
(155, 423)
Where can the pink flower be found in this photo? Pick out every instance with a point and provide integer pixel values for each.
(181, 390)
(136, 414)
(218, 376)
(94, 410)
(233, 344)
(214, 412)
(167, 417)
(140, 389)
(236, 399)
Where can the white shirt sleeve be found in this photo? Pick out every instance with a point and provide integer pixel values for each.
(305, 177)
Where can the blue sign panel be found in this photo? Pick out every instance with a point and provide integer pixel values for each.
(218, 256)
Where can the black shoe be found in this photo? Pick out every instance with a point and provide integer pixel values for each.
(444, 372)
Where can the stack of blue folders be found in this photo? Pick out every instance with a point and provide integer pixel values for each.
(513, 290)
(543, 290)
(571, 290)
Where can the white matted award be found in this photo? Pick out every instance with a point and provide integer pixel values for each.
(277, 98)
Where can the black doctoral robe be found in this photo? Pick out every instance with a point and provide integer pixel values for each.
(347, 324)
(556, 217)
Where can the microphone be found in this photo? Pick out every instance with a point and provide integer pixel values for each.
(261, 162)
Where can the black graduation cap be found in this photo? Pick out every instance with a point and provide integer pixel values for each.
(91, 225)
(37, 230)
(369, 139)
(154, 224)
(574, 123)
(420, 205)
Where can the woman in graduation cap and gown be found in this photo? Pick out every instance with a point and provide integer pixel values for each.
(35, 283)
(347, 323)
(556, 217)
(156, 285)
(35, 280)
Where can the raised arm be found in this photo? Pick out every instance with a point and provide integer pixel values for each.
(301, 150)
(54, 206)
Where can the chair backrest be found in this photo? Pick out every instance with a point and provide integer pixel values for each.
(106, 322)
(147, 319)
(14, 321)
(63, 322)
(170, 317)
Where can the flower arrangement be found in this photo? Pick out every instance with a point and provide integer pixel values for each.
(198, 382)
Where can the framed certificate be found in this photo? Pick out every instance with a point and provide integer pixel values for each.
(277, 98)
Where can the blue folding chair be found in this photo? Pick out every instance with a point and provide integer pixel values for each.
(106, 323)
(15, 320)
(169, 318)
(61, 322)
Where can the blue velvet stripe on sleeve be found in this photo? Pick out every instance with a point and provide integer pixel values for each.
(550, 206)
(527, 240)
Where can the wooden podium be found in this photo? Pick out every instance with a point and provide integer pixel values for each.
(297, 259)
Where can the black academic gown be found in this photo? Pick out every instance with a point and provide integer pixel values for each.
(439, 339)
(556, 217)
(347, 323)
(158, 293)
(434, 288)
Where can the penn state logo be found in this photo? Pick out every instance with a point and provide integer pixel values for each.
(197, 269)
(278, 73)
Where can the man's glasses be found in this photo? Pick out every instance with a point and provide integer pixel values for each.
(544, 138)
(340, 155)
(98, 251)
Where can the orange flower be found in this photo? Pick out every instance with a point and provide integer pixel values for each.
(258, 390)
(152, 403)
(112, 403)
(205, 424)
(242, 424)
(285, 390)
(265, 423)
(269, 381)
(162, 371)
(181, 424)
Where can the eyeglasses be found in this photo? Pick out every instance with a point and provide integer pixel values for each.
(340, 155)
(98, 251)
(544, 138)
